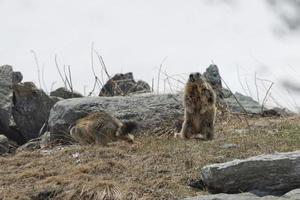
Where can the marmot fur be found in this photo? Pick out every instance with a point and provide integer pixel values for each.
(101, 128)
(200, 109)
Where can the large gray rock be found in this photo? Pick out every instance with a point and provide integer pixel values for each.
(251, 106)
(149, 111)
(64, 93)
(31, 109)
(266, 174)
(293, 195)
(4, 145)
(123, 84)
(6, 97)
(7, 123)
(17, 77)
(213, 76)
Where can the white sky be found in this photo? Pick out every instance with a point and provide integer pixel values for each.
(136, 35)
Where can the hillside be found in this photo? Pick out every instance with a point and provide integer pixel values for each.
(155, 166)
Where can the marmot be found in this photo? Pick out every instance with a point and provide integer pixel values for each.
(101, 128)
(200, 109)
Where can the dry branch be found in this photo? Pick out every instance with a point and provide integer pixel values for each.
(37, 67)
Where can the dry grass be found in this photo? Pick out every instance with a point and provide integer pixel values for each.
(151, 168)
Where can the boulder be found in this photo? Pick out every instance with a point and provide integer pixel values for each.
(251, 106)
(7, 123)
(31, 109)
(212, 75)
(4, 144)
(17, 77)
(277, 112)
(123, 84)
(6, 97)
(149, 111)
(293, 195)
(273, 174)
(64, 93)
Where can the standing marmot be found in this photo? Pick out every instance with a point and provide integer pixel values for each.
(101, 128)
(200, 109)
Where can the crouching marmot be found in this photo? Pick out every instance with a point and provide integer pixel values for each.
(101, 128)
(200, 109)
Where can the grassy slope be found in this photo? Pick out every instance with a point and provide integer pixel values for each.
(151, 168)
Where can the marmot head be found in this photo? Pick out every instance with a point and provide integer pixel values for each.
(125, 129)
(197, 77)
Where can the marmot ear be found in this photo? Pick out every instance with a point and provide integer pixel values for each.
(191, 78)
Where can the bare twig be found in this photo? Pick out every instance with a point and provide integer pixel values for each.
(94, 87)
(152, 85)
(239, 79)
(256, 86)
(37, 67)
(70, 79)
(244, 110)
(159, 71)
(52, 85)
(177, 80)
(266, 96)
(102, 64)
(107, 74)
(67, 79)
(60, 74)
(97, 80)
(248, 88)
(169, 83)
(43, 80)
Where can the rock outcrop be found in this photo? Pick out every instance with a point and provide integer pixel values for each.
(273, 174)
(293, 195)
(64, 93)
(23, 108)
(17, 77)
(7, 122)
(149, 111)
(31, 109)
(123, 84)
(251, 106)
(213, 76)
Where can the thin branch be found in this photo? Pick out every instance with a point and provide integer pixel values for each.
(159, 71)
(239, 79)
(102, 64)
(94, 87)
(169, 83)
(70, 79)
(152, 85)
(107, 74)
(52, 85)
(266, 96)
(43, 80)
(37, 67)
(60, 74)
(67, 79)
(179, 81)
(245, 111)
(248, 88)
(256, 86)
